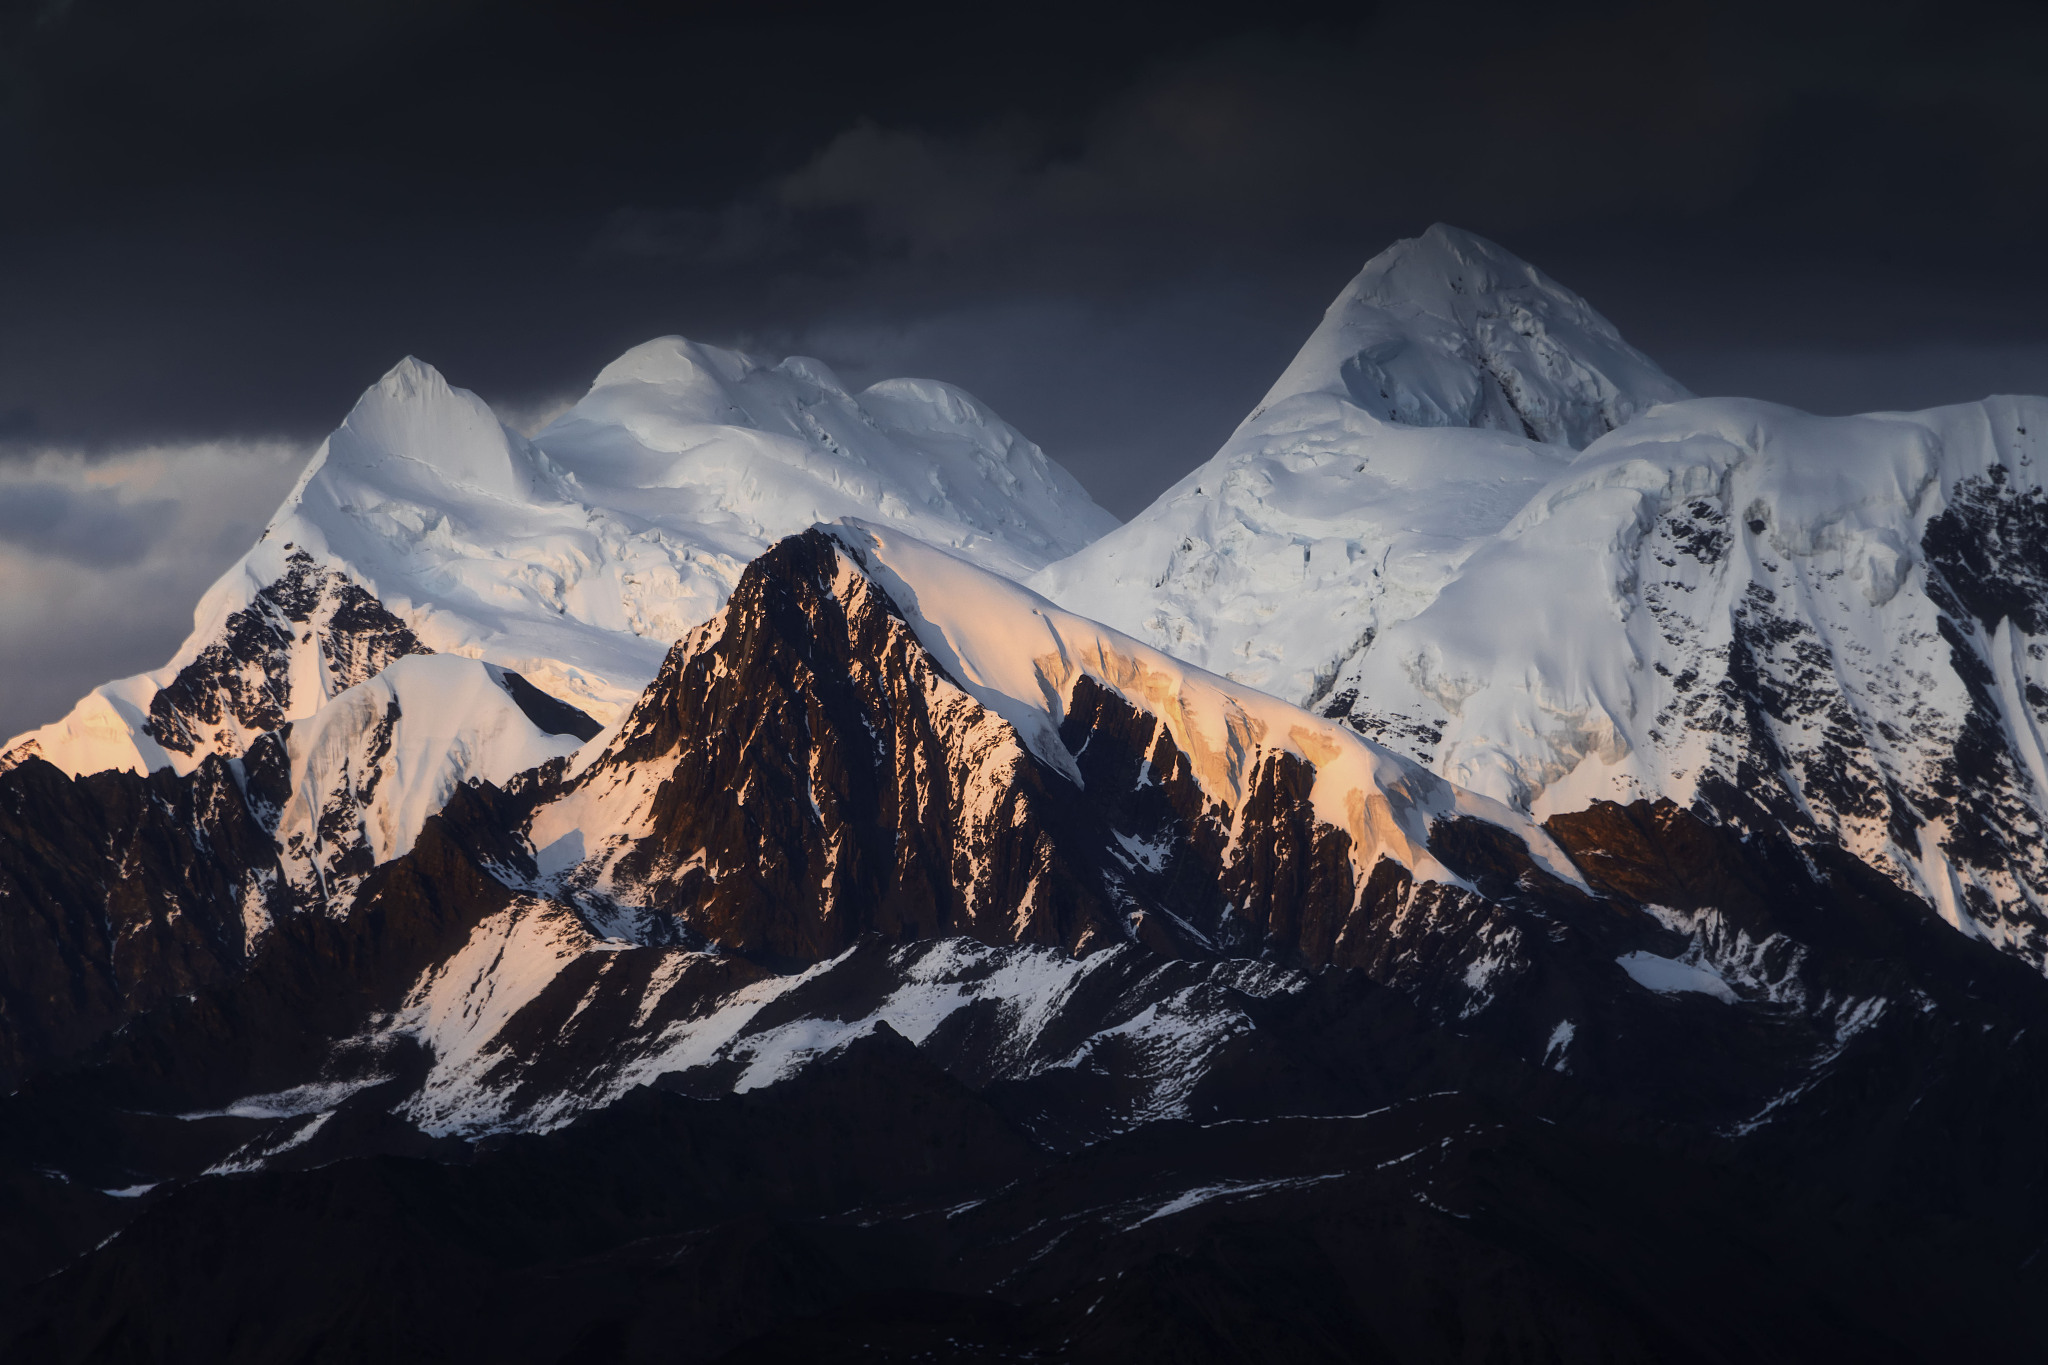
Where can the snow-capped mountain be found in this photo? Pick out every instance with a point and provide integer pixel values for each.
(1449, 330)
(1014, 898)
(872, 738)
(575, 559)
(967, 732)
(715, 878)
(1832, 625)
(1822, 624)
(1445, 386)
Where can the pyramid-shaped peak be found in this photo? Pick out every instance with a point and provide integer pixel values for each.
(414, 414)
(412, 375)
(1449, 262)
(1450, 329)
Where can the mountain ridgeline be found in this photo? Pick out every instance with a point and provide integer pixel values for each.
(899, 963)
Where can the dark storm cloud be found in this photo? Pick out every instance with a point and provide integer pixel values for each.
(232, 215)
(1840, 215)
(91, 527)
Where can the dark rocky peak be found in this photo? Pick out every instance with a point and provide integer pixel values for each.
(801, 772)
(312, 629)
(804, 771)
(118, 893)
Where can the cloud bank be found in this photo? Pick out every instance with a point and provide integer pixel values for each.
(105, 555)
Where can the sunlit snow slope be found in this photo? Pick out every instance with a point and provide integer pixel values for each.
(1446, 384)
(575, 559)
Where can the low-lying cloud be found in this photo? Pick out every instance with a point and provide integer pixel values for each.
(105, 555)
(96, 527)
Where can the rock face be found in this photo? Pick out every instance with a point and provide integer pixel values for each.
(804, 775)
(117, 894)
(241, 684)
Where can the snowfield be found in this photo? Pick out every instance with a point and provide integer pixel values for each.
(1446, 386)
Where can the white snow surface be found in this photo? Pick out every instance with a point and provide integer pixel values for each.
(1446, 385)
(389, 752)
(1450, 330)
(579, 557)
(315, 1097)
(1541, 659)
(1229, 1189)
(1584, 653)
(1669, 976)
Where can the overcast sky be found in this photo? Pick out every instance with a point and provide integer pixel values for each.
(221, 219)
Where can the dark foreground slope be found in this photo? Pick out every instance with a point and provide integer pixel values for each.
(827, 1080)
(874, 1208)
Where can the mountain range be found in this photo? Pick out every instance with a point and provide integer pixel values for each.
(1506, 860)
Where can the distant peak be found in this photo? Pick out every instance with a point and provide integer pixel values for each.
(1448, 329)
(414, 373)
(1445, 263)
(1449, 238)
(676, 362)
(413, 413)
(412, 377)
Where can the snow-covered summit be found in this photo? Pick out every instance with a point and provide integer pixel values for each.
(413, 417)
(740, 447)
(1450, 330)
(1447, 383)
(1836, 626)
(574, 559)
